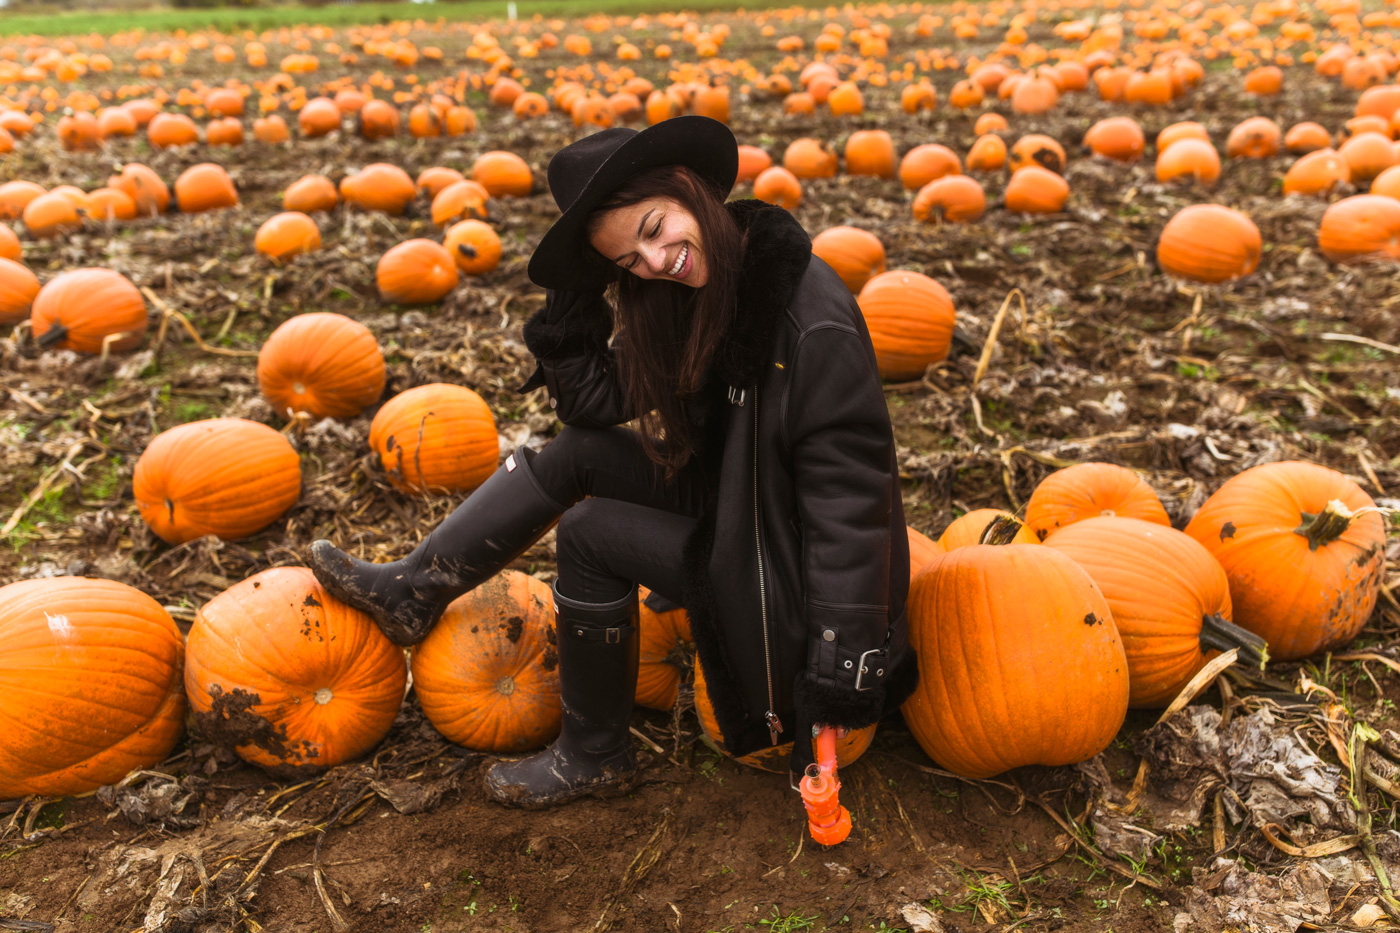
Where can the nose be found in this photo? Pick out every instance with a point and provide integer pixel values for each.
(654, 255)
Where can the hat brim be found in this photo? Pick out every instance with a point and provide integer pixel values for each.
(564, 261)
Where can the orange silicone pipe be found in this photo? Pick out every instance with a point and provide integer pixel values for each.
(828, 821)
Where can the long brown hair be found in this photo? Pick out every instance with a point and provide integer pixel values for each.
(670, 331)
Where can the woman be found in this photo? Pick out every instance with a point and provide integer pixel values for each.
(761, 493)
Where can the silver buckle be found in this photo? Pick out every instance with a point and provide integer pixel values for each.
(740, 393)
(612, 636)
(861, 668)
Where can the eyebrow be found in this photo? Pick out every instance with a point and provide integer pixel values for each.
(641, 225)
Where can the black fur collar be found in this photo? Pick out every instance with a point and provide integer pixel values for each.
(776, 254)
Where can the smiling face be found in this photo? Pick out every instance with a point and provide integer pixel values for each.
(653, 239)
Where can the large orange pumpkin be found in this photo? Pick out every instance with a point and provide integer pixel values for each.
(435, 437)
(855, 254)
(667, 654)
(1254, 138)
(474, 246)
(15, 197)
(988, 154)
(1209, 243)
(1117, 138)
(416, 272)
(285, 235)
(18, 287)
(87, 309)
(955, 198)
(224, 476)
(1090, 490)
(318, 116)
(809, 158)
(9, 244)
(1038, 149)
(462, 200)
(1317, 174)
(310, 193)
(145, 188)
(870, 152)
(204, 187)
(51, 215)
(90, 685)
(289, 677)
(1189, 159)
(777, 185)
(922, 549)
(379, 186)
(171, 129)
(1367, 155)
(1361, 228)
(504, 174)
(776, 758)
(910, 318)
(1169, 597)
(971, 527)
(1035, 190)
(1019, 661)
(487, 675)
(928, 162)
(322, 363)
(1304, 571)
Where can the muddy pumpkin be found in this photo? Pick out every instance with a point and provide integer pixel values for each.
(487, 675)
(290, 678)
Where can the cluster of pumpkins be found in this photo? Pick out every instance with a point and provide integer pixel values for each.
(1032, 639)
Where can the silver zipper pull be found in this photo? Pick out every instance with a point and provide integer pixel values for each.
(775, 726)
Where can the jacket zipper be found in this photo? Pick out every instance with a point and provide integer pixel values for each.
(775, 725)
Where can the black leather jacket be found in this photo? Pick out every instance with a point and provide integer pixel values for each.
(797, 572)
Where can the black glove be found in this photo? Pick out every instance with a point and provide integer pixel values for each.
(570, 324)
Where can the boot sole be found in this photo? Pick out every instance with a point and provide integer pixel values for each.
(517, 797)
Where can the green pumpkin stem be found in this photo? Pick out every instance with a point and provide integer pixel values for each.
(1001, 530)
(1219, 634)
(1326, 526)
(51, 336)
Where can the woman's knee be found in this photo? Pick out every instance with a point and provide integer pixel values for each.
(578, 527)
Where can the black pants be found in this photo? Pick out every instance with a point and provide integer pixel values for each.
(625, 524)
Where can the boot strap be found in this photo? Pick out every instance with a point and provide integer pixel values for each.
(611, 635)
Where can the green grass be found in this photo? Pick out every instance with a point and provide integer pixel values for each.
(228, 19)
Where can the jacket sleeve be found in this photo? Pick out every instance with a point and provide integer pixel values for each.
(569, 338)
(842, 454)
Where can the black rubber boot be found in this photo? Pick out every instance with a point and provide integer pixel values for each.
(497, 522)
(598, 653)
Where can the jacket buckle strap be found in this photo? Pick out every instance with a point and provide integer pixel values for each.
(876, 659)
(736, 395)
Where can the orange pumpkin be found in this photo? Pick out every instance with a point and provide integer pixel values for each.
(318, 117)
(171, 129)
(324, 364)
(224, 476)
(971, 527)
(870, 152)
(474, 246)
(1034, 94)
(115, 121)
(79, 132)
(1264, 81)
(9, 244)
(988, 154)
(204, 187)
(1317, 174)
(777, 758)
(965, 95)
(1307, 137)
(15, 197)
(1187, 129)
(416, 271)
(51, 215)
(487, 674)
(990, 122)
(1189, 159)
(752, 162)
(777, 185)
(926, 162)
(1036, 190)
(1209, 243)
(1304, 570)
(460, 201)
(379, 186)
(433, 180)
(1254, 138)
(310, 193)
(18, 287)
(530, 106)
(1024, 624)
(1169, 597)
(285, 235)
(224, 102)
(922, 549)
(1367, 155)
(1038, 149)
(225, 132)
(1386, 183)
(809, 158)
(423, 122)
(110, 204)
(1361, 228)
(1116, 138)
(910, 318)
(667, 654)
(855, 254)
(144, 186)
(87, 309)
(288, 676)
(378, 119)
(954, 198)
(503, 174)
(435, 437)
(1090, 490)
(92, 675)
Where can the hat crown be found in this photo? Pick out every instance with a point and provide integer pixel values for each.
(575, 165)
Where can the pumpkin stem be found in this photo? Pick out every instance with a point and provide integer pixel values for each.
(51, 336)
(1326, 526)
(1220, 634)
(1001, 530)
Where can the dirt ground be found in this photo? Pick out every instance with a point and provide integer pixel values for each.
(1111, 360)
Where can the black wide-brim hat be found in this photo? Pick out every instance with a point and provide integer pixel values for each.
(584, 173)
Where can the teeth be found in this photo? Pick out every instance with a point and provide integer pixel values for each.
(680, 261)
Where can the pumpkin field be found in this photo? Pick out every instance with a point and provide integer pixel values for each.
(1132, 272)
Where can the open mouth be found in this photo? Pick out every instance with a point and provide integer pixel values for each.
(680, 263)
